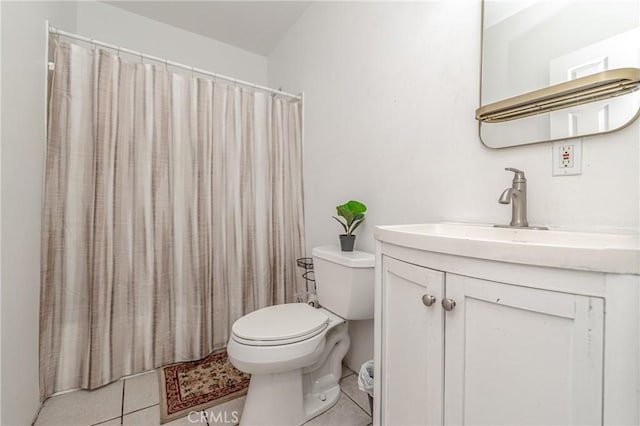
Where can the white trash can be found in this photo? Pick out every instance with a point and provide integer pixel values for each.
(365, 381)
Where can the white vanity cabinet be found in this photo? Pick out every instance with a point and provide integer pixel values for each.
(520, 355)
(412, 348)
(512, 344)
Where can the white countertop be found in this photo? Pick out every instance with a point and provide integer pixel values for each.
(601, 252)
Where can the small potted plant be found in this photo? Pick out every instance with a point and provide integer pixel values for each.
(353, 214)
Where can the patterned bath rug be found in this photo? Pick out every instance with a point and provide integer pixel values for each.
(196, 385)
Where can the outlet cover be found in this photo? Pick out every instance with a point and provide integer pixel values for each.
(567, 157)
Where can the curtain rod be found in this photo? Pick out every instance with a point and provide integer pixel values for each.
(167, 62)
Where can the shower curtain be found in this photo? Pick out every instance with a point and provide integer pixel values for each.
(172, 206)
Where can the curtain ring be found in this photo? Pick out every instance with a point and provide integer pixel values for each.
(166, 65)
(118, 52)
(141, 58)
(191, 71)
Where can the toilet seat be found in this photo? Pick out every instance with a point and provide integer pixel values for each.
(280, 325)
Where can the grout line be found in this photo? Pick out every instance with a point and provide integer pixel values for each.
(35, 420)
(355, 402)
(124, 383)
(350, 372)
(140, 409)
(324, 412)
(104, 421)
(313, 418)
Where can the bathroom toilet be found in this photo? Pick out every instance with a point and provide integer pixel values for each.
(294, 351)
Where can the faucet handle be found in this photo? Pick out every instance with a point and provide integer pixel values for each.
(519, 174)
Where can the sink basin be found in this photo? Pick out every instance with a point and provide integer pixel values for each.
(614, 253)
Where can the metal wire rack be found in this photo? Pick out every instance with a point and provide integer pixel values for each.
(306, 263)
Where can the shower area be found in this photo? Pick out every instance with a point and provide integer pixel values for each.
(172, 205)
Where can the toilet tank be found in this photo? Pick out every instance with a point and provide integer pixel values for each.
(344, 281)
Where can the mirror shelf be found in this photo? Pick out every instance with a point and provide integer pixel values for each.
(592, 88)
(557, 70)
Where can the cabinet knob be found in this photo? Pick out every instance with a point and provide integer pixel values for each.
(448, 304)
(428, 300)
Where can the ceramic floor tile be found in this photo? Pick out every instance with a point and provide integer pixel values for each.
(141, 392)
(225, 414)
(344, 413)
(82, 407)
(151, 417)
(346, 372)
(112, 422)
(349, 385)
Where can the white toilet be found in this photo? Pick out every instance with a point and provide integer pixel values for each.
(293, 351)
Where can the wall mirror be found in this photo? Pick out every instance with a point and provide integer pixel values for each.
(531, 46)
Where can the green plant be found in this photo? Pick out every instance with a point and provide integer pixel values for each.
(353, 214)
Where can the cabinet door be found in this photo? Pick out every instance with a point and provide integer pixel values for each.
(412, 352)
(517, 355)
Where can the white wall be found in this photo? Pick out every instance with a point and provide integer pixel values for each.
(122, 28)
(23, 115)
(390, 93)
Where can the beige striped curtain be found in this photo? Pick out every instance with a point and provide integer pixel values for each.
(172, 206)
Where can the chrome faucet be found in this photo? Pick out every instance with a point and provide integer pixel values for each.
(517, 196)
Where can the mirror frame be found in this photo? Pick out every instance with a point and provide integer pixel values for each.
(636, 92)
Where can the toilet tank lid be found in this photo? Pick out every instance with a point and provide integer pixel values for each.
(351, 259)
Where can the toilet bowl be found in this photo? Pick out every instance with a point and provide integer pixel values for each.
(294, 351)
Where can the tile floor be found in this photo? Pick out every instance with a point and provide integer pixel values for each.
(134, 401)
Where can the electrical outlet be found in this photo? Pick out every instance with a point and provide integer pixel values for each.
(567, 157)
